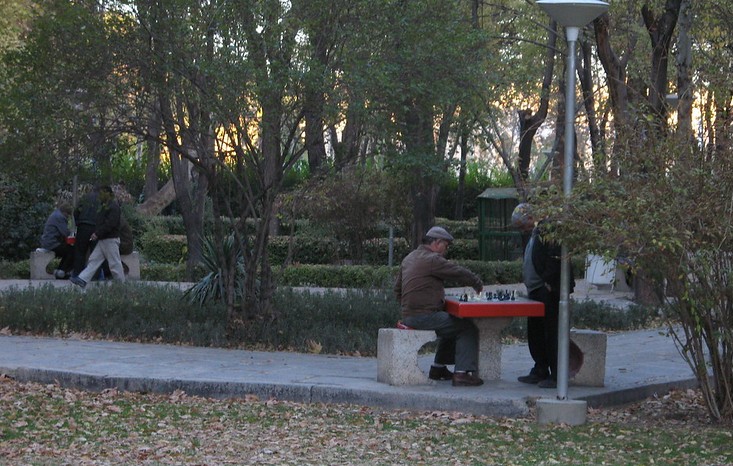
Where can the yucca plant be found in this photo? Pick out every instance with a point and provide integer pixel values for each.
(212, 287)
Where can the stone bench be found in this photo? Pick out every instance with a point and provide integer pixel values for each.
(40, 258)
(398, 348)
(587, 358)
(397, 351)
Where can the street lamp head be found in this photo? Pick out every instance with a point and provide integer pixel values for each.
(573, 13)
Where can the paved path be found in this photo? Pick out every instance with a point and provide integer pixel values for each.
(639, 364)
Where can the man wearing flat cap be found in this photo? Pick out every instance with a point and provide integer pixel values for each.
(421, 292)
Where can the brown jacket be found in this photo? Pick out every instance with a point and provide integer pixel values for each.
(420, 282)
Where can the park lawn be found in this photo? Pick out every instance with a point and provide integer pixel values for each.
(46, 424)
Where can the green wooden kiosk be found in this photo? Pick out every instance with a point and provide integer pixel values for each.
(498, 241)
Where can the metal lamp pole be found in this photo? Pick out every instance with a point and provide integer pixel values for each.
(573, 15)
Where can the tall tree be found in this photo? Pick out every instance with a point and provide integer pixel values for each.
(426, 64)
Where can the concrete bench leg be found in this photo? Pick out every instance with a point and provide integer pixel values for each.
(592, 358)
(397, 356)
(39, 262)
(489, 349)
(132, 261)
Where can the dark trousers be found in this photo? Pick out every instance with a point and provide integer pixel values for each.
(542, 332)
(82, 248)
(457, 338)
(66, 253)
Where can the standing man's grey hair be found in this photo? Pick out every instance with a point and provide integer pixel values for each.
(522, 217)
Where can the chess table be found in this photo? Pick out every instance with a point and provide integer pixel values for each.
(491, 317)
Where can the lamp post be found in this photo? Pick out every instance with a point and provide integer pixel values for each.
(572, 14)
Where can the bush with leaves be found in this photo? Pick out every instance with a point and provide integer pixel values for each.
(351, 205)
(24, 208)
(669, 214)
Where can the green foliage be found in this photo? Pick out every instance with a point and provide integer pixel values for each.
(341, 323)
(598, 316)
(376, 251)
(167, 249)
(212, 287)
(307, 250)
(15, 269)
(480, 175)
(24, 208)
(350, 204)
(669, 216)
(127, 167)
(338, 276)
(352, 276)
(165, 224)
(460, 229)
(157, 272)
(128, 312)
(333, 322)
(56, 85)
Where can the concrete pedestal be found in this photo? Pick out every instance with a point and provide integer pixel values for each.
(489, 351)
(571, 412)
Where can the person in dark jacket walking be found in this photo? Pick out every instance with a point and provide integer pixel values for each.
(107, 236)
(541, 275)
(54, 238)
(85, 217)
(420, 291)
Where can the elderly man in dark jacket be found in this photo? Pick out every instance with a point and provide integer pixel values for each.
(421, 293)
(107, 236)
(541, 275)
(54, 238)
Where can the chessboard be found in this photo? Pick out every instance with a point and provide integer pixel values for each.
(499, 304)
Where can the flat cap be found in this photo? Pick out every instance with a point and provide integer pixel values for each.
(439, 233)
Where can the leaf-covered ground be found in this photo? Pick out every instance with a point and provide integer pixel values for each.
(45, 424)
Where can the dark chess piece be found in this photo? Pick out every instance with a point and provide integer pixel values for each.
(463, 298)
(513, 295)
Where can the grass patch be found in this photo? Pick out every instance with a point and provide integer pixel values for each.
(46, 424)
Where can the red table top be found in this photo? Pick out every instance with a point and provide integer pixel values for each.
(520, 307)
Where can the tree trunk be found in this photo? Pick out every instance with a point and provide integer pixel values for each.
(684, 74)
(460, 192)
(314, 105)
(660, 29)
(153, 162)
(530, 123)
(585, 74)
(155, 204)
(419, 146)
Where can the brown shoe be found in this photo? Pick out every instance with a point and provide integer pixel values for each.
(440, 373)
(466, 379)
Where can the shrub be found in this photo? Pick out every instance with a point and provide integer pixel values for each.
(337, 276)
(332, 322)
(11, 270)
(597, 316)
(134, 312)
(460, 229)
(23, 212)
(376, 251)
(307, 250)
(164, 272)
(167, 249)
